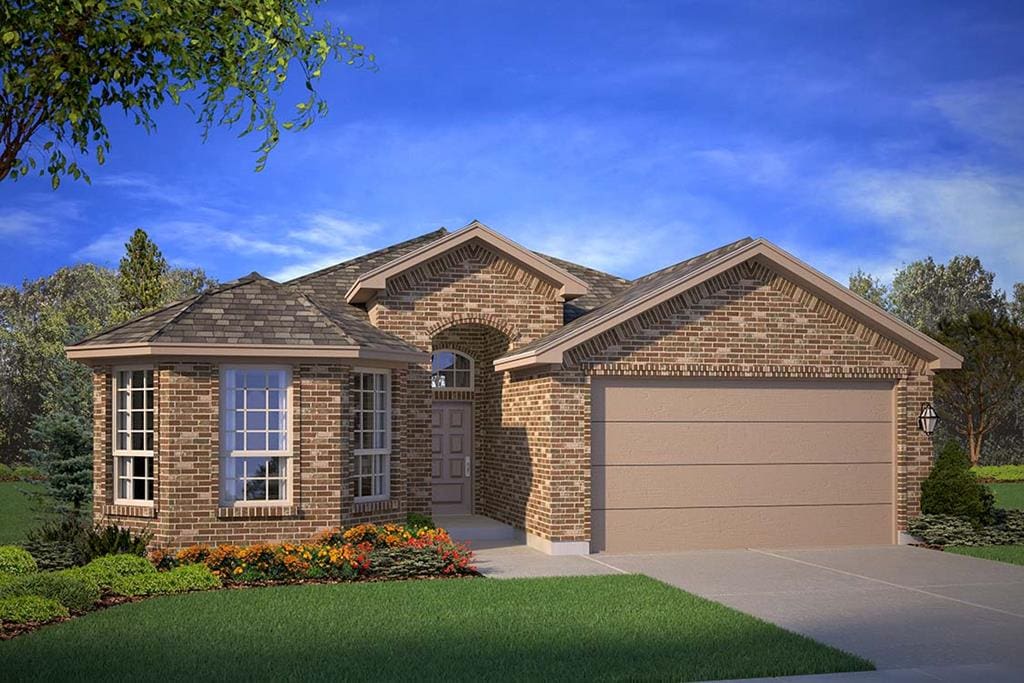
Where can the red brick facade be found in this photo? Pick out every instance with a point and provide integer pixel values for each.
(532, 428)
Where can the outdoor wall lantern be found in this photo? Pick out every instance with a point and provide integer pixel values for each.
(927, 420)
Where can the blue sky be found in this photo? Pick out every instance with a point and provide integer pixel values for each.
(623, 135)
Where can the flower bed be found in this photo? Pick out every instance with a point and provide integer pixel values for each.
(366, 551)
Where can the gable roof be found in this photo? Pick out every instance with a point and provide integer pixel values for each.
(367, 284)
(251, 316)
(649, 291)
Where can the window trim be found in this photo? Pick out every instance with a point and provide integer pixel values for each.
(472, 370)
(118, 453)
(385, 451)
(222, 431)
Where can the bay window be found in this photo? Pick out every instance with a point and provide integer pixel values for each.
(255, 436)
(372, 394)
(133, 436)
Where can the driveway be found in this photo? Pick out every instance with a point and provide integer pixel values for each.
(900, 607)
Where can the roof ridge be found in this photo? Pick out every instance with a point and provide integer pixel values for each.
(319, 309)
(440, 232)
(725, 247)
(203, 295)
(580, 265)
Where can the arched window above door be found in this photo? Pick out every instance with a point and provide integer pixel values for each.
(451, 370)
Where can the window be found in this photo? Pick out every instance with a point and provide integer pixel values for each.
(133, 436)
(451, 370)
(255, 443)
(372, 434)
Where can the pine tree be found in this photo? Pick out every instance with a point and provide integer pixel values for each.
(141, 274)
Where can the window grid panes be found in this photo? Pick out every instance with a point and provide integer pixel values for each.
(255, 438)
(450, 370)
(372, 428)
(133, 436)
(372, 475)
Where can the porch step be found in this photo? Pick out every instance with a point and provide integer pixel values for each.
(475, 528)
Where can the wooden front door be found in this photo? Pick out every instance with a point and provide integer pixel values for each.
(452, 459)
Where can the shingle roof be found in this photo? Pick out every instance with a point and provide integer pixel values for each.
(634, 292)
(252, 310)
(603, 286)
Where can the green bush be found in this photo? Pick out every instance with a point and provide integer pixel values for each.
(192, 577)
(1007, 529)
(999, 472)
(407, 563)
(69, 587)
(25, 609)
(951, 489)
(105, 570)
(114, 540)
(15, 560)
(28, 473)
(58, 544)
(415, 521)
(7, 474)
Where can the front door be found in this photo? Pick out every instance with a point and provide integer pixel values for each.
(452, 463)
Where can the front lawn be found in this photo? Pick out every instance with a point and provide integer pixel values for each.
(1013, 554)
(18, 513)
(580, 628)
(1009, 496)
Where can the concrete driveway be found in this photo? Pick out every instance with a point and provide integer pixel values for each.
(900, 607)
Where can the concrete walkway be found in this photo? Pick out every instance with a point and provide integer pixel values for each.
(917, 614)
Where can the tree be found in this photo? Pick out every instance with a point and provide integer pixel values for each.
(871, 288)
(64, 453)
(141, 275)
(982, 395)
(952, 489)
(65, 63)
(924, 292)
(1017, 304)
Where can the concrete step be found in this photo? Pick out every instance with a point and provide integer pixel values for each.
(475, 528)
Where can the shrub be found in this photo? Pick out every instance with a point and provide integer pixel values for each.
(69, 587)
(15, 560)
(1007, 529)
(114, 540)
(25, 609)
(999, 472)
(181, 580)
(415, 521)
(951, 489)
(6, 473)
(28, 473)
(58, 544)
(105, 570)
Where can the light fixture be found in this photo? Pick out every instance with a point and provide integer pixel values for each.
(927, 420)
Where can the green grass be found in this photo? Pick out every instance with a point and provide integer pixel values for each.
(1000, 472)
(1014, 554)
(18, 512)
(580, 628)
(1008, 496)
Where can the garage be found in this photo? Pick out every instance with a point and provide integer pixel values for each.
(680, 463)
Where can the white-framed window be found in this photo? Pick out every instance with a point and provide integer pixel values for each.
(451, 370)
(255, 437)
(133, 436)
(372, 427)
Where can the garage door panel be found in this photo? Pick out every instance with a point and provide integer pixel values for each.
(688, 443)
(693, 400)
(659, 486)
(704, 528)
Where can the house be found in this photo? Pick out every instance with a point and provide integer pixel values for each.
(739, 398)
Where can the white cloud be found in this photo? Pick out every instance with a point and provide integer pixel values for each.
(991, 109)
(39, 220)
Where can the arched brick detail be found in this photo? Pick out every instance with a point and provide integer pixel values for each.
(503, 326)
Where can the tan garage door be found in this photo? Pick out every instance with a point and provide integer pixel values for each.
(685, 464)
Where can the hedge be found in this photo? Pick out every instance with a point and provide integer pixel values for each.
(942, 530)
(105, 570)
(999, 472)
(15, 560)
(70, 588)
(25, 609)
(181, 580)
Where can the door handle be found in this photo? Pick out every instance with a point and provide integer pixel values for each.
(466, 469)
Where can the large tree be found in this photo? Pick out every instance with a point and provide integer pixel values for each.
(982, 395)
(66, 63)
(142, 274)
(870, 287)
(924, 292)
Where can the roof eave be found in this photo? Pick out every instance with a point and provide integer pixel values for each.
(97, 352)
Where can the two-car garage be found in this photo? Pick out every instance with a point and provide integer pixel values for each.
(680, 463)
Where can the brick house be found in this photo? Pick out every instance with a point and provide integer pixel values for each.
(739, 398)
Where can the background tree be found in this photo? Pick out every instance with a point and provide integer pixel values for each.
(1017, 304)
(871, 288)
(982, 395)
(924, 292)
(65, 63)
(142, 274)
(63, 451)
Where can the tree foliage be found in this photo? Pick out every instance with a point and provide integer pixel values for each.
(141, 274)
(66, 63)
(870, 287)
(983, 394)
(63, 451)
(924, 292)
(952, 489)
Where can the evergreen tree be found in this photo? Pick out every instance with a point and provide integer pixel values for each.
(64, 453)
(141, 274)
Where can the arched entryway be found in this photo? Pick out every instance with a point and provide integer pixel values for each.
(466, 417)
